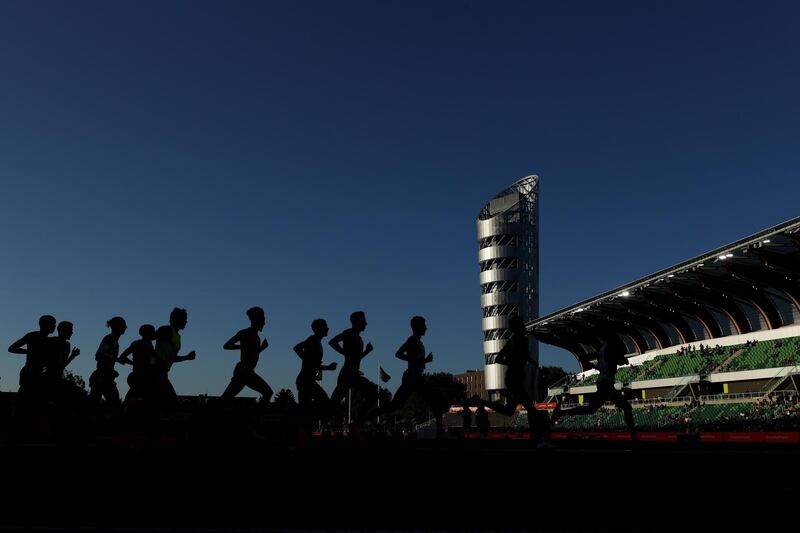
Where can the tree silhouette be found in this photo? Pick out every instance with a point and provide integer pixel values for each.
(75, 380)
(361, 401)
(284, 399)
(446, 388)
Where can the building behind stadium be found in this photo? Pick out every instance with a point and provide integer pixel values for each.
(474, 382)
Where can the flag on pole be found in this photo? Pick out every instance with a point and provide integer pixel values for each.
(383, 375)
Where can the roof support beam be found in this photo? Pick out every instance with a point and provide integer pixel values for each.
(746, 292)
(692, 308)
(604, 321)
(685, 333)
(594, 332)
(566, 343)
(643, 322)
(786, 264)
(721, 301)
(769, 278)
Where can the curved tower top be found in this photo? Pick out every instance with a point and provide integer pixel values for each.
(529, 185)
(508, 255)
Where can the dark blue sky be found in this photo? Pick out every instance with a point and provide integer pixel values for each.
(318, 158)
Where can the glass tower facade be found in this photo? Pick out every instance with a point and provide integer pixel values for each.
(508, 255)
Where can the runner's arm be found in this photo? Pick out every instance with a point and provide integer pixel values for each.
(402, 353)
(233, 343)
(123, 357)
(188, 357)
(334, 343)
(299, 349)
(367, 350)
(75, 353)
(17, 347)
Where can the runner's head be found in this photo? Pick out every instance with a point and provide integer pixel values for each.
(359, 320)
(257, 317)
(418, 326)
(320, 327)
(47, 324)
(178, 318)
(65, 329)
(117, 325)
(147, 332)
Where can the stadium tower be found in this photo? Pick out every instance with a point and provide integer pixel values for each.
(508, 240)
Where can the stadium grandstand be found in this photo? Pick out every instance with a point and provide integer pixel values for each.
(713, 342)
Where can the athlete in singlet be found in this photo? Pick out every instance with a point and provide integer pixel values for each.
(413, 352)
(610, 355)
(142, 377)
(309, 351)
(351, 346)
(516, 355)
(101, 382)
(250, 345)
(60, 353)
(168, 346)
(35, 352)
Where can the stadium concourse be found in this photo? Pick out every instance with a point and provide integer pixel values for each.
(713, 347)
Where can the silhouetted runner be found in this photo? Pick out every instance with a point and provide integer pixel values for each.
(35, 351)
(251, 346)
(168, 346)
(60, 353)
(413, 352)
(516, 355)
(351, 346)
(609, 356)
(101, 382)
(310, 352)
(141, 380)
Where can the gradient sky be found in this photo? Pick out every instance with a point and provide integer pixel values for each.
(319, 158)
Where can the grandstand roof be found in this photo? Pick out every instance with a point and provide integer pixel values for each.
(735, 289)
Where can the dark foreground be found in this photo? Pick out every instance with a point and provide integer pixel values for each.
(416, 485)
